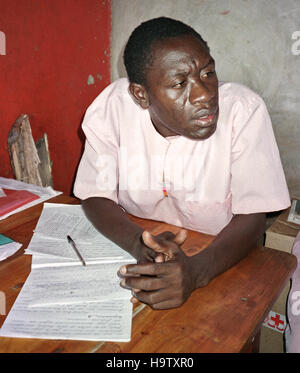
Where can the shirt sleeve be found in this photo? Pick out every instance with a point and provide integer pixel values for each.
(97, 174)
(257, 179)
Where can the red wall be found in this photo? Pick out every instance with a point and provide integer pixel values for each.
(52, 46)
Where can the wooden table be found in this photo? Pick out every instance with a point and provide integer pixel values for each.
(225, 316)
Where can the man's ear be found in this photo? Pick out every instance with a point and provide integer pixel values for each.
(139, 94)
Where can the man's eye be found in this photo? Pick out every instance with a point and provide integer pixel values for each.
(179, 85)
(208, 74)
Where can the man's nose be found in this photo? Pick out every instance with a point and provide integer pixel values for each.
(200, 93)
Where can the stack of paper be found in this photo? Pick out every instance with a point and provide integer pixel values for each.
(16, 196)
(62, 299)
(14, 199)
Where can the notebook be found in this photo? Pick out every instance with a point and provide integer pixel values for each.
(15, 199)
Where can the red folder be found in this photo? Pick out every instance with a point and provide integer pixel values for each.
(15, 199)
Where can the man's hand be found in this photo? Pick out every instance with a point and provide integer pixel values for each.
(163, 255)
(161, 285)
(158, 248)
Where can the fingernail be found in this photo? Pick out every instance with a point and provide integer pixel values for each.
(159, 258)
(123, 282)
(123, 270)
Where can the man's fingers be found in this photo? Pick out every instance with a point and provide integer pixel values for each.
(180, 237)
(150, 241)
(137, 284)
(122, 272)
(159, 258)
(161, 299)
(150, 269)
(134, 300)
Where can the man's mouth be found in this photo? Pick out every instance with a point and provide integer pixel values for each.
(204, 119)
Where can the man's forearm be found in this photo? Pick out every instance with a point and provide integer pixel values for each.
(231, 245)
(109, 219)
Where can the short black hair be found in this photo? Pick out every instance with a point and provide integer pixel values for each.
(138, 57)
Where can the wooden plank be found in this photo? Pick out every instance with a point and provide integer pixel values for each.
(45, 165)
(23, 153)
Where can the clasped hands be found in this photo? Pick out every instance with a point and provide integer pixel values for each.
(162, 277)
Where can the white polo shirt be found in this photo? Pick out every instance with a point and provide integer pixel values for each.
(198, 185)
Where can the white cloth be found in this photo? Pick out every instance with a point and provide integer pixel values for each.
(235, 171)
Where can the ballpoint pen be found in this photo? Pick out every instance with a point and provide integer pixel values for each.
(76, 250)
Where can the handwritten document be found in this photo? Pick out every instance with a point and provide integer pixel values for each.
(60, 285)
(98, 321)
(61, 299)
(59, 220)
(93, 252)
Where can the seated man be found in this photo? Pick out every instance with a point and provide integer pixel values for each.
(171, 143)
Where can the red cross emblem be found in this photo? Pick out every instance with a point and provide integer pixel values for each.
(276, 322)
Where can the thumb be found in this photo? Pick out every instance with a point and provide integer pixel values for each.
(150, 241)
(180, 237)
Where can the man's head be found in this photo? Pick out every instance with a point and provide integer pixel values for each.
(172, 74)
(138, 56)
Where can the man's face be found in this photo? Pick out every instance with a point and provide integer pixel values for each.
(182, 89)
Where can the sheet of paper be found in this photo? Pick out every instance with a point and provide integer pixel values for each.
(90, 251)
(9, 249)
(58, 220)
(61, 299)
(98, 321)
(66, 285)
(44, 260)
(44, 193)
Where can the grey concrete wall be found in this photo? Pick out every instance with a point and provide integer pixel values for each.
(251, 41)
